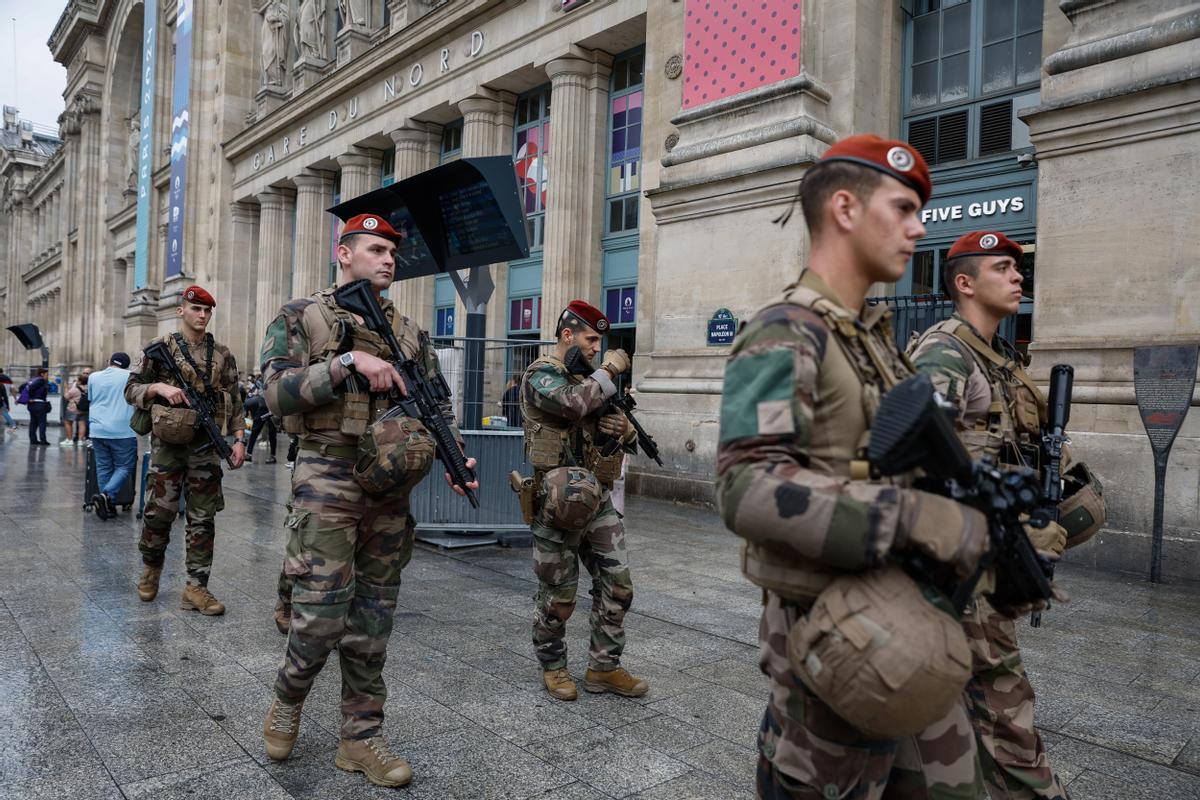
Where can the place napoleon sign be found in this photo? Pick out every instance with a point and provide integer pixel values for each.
(722, 328)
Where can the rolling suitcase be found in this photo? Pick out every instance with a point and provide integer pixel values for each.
(124, 497)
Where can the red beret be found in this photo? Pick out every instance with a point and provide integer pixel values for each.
(197, 294)
(897, 159)
(985, 243)
(586, 312)
(370, 223)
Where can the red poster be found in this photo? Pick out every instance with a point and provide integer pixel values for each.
(732, 46)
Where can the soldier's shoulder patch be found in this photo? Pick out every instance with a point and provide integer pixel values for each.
(783, 323)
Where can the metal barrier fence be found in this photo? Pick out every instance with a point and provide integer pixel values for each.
(443, 517)
(915, 313)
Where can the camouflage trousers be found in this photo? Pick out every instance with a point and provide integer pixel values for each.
(556, 556)
(172, 466)
(345, 551)
(1000, 701)
(807, 752)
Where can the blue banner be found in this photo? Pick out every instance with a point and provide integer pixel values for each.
(179, 137)
(146, 144)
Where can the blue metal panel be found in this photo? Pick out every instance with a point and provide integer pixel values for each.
(443, 291)
(524, 278)
(620, 263)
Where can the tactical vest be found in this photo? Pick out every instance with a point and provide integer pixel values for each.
(1011, 429)
(552, 441)
(219, 398)
(332, 331)
(861, 363)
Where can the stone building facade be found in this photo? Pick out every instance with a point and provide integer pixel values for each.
(654, 143)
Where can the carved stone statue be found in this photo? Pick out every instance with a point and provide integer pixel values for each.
(134, 147)
(310, 30)
(274, 43)
(354, 13)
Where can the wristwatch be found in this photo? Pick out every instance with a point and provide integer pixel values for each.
(347, 361)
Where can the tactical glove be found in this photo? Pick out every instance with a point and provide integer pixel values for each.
(615, 362)
(941, 529)
(1049, 541)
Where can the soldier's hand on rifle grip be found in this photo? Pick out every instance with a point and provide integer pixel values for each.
(381, 375)
(172, 394)
(616, 426)
(1049, 541)
(616, 362)
(472, 485)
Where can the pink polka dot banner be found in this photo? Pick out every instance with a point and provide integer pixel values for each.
(733, 46)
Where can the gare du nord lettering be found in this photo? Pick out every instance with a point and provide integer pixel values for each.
(385, 92)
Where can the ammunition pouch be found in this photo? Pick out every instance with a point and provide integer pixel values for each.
(606, 468)
(569, 498)
(173, 424)
(775, 572)
(543, 445)
(526, 495)
(886, 654)
(141, 422)
(1082, 512)
(394, 454)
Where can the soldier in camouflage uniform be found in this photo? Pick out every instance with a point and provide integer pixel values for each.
(802, 383)
(174, 463)
(1000, 413)
(330, 378)
(574, 518)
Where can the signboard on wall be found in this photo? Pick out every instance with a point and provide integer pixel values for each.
(179, 138)
(722, 328)
(146, 142)
(1001, 208)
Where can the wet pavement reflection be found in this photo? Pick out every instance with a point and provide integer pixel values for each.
(104, 696)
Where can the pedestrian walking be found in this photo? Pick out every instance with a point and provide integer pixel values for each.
(75, 418)
(260, 420)
(114, 443)
(175, 455)
(6, 392)
(349, 531)
(37, 398)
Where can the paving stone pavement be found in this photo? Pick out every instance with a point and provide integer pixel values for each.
(103, 696)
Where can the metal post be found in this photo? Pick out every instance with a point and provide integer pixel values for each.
(1160, 491)
(473, 371)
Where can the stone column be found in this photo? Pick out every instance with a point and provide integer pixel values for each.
(360, 172)
(416, 151)
(81, 328)
(314, 190)
(275, 220)
(571, 262)
(244, 320)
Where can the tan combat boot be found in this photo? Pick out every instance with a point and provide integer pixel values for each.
(148, 583)
(283, 616)
(372, 758)
(560, 684)
(617, 681)
(281, 728)
(199, 598)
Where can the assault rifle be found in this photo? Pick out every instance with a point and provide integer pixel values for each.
(912, 430)
(159, 352)
(425, 393)
(1054, 436)
(578, 365)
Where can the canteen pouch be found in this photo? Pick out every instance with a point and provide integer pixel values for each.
(172, 424)
(141, 421)
(525, 492)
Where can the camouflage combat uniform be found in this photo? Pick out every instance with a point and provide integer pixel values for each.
(346, 547)
(802, 383)
(176, 467)
(998, 415)
(562, 406)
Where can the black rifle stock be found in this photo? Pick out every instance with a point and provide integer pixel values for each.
(911, 430)
(578, 365)
(160, 353)
(425, 393)
(1054, 436)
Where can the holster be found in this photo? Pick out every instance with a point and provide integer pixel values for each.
(526, 495)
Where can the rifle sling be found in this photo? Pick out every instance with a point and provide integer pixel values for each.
(972, 340)
(205, 376)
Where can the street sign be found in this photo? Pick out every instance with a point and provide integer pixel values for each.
(1164, 379)
(722, 328)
